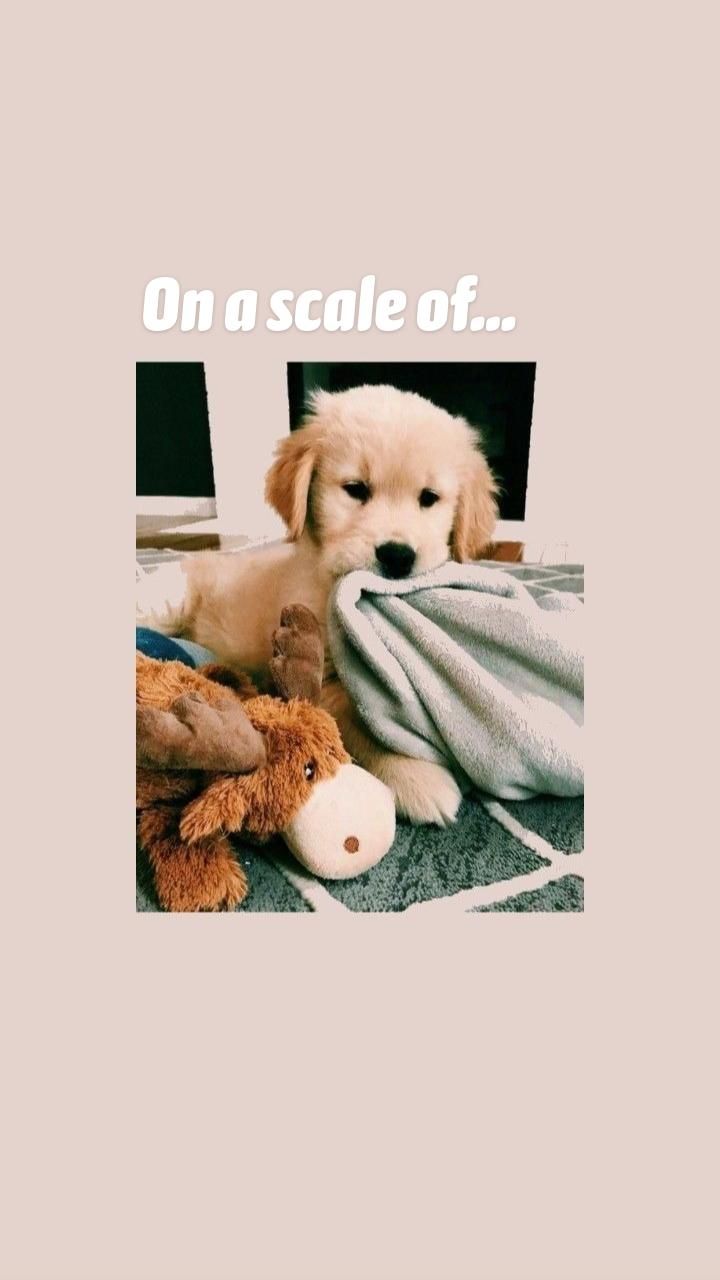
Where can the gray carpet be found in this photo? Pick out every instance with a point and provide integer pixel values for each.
(510, 856)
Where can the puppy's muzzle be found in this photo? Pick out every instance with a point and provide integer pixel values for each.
(396, 559)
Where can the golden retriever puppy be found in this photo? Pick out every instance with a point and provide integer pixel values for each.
(376, 479)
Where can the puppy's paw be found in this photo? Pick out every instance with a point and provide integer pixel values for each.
(424, 792)
(160, 599)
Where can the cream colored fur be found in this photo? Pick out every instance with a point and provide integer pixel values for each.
(397, 444)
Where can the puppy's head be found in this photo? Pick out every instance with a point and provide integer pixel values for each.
(384, 480)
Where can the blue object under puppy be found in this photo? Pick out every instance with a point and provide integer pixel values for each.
(153, 644)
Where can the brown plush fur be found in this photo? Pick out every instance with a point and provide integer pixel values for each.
(184, 816)
(199, 877)
(158, 684)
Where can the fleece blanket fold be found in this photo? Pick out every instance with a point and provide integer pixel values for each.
(463, 666)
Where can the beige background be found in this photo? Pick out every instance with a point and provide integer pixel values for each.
(511, 1098)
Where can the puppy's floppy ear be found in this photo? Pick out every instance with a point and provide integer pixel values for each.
(288, 481)
(476, 511)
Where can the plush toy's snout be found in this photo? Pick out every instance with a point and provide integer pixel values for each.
(346, 825)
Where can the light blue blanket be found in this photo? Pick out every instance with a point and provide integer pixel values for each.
(464, 667)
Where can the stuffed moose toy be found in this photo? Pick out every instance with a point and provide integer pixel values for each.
(214, 757)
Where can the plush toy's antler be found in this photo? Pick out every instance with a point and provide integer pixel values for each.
(298, 655)
(195, 735)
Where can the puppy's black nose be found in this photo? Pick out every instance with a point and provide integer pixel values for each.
(396, 559)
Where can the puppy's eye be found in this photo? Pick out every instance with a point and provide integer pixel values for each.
(428, 498)
(358, 490)
(309, 770)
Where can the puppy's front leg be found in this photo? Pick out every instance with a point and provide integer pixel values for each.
(424, 792)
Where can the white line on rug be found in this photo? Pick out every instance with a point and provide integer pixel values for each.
(530, 839)
(487, 895)
(311, 890)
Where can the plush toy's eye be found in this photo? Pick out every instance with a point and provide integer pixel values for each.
(309, 770)
(428, 497)
(358, 490)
